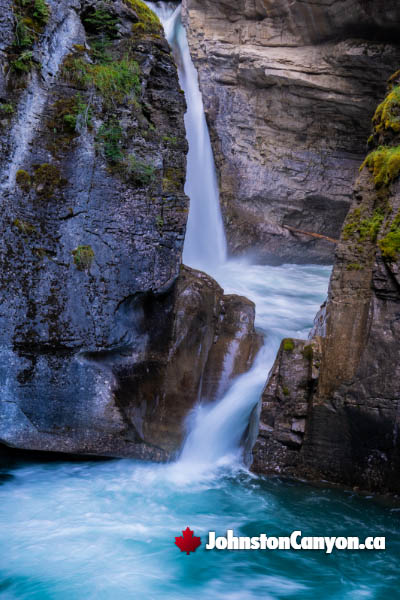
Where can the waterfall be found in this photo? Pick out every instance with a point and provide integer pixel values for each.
(286, 297)
(205, 244)
(214, 430)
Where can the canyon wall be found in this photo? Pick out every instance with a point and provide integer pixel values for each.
(331, 406)
(289, 88)
(105, 339)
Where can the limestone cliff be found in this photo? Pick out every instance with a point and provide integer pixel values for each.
(288, 87)
(331, 406)
(95, 309)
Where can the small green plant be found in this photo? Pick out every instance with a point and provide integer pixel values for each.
(114, 81)
(354, 267)
(83, 257)
(390, 243)
(384, 164)
(7, 109)
(139, 171)
(24, 62)
(288, 345)
(41, 12)
(170, 139)
(101, 22)
(110, 134)
(24, 36)
(159, 222)
(285, 391)
(24, 227)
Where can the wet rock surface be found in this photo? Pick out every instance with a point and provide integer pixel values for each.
(289, 88)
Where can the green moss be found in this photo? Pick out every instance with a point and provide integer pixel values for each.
(285, 391)
(23, 63)
(364, 228)
(114, 81)
(354, 267)
(138, 171)
(6, 109)
(83, 257)
(288, 345)
(40, 12)
(308, 352)
(173, 180)
(30, 18)
(79, 48)
(148, 22)
(159, 222)
(384, 164)
(24, 227)
(390, 243)
(70, 114)
(23, 35)
(387, 115)
(47, 178)
(110, 134)
(170, 139)
(23, 179)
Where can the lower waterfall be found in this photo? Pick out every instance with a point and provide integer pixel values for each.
(216, 430)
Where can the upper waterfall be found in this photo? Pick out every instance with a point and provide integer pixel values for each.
(205, 243)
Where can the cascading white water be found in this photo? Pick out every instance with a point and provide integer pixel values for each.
(205, 244)
(216, 430)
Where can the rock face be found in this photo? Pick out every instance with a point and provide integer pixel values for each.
(347, 392)
(288, 88)
(92, 227)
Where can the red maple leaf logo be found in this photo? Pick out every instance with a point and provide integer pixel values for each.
(188, 543)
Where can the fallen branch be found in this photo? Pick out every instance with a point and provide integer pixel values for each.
(315, 235)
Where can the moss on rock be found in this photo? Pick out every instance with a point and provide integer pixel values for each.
(24, 227)
(23, 179)
(47, 178)
(148, 22)
(114, 80)
(384, 164)
(366, 228)
(288, 345)
(83, 257)
(387, 115)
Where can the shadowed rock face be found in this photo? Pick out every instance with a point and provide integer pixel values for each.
(92, 227)
(349, 389)
(289, 87)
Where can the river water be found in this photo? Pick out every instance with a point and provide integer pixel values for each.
(105, 529)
